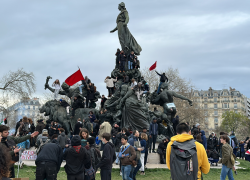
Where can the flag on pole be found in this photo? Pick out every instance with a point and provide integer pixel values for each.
(153, 66)
(74, 78)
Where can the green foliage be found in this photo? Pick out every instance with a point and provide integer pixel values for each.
(232, 121)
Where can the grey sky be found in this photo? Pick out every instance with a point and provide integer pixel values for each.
(208, 41)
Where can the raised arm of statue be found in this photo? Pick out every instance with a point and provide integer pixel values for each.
(113, 30)
(182, 97)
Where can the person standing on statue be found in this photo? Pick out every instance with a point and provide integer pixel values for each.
(122, 61)
(131, 57)
(127, 41)
(162, 80)
(117, 58)
(57, 87)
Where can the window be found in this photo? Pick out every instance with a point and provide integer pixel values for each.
(34, 107)
(205, 99)
(235, 99)
(216, 120)
(205, 106)
(206, 119)
(235, 105)
(206, 94)
(215, 99)
(225, 105)
(215, 94)
(236, 111)
(205, 113)
(28, 107)
(215, 106)
(225, 93)
(216, 113)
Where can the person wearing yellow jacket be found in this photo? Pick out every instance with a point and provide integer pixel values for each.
(183, 135)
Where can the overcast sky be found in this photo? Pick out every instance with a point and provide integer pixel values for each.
(208, 41)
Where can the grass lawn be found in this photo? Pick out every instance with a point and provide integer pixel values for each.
(151, 174)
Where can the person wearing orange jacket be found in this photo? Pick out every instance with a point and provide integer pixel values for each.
(183, 135)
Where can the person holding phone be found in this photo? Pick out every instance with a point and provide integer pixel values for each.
(10, 142)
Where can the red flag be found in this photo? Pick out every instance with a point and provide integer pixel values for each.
(74, 78)
(153, 66)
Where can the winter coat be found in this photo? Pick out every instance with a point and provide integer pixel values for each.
(92, 118)
(104, 128)
(143, 144)
(204, 139)
(77, 104)
(32, 128)
(76, 162)
(162, 147)
(110, 82)
(44, 139)
(128, 159)
(153, 129)
(40, 126)
(108, 157)
(62, 140)
(51, 152)
(131, 57)
(163, 77)
(118, 142)
(78, 125)
(227, 151)
(91, 93)
(203, 164)
(103, 102)
(64, 103)
(122, 57)
(114, 131)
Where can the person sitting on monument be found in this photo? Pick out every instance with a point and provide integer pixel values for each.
(139, 91)
(133, 83)
(65, 105)
(131, 57)
(136, 63)
(110, 85)
(92, 116)
(125, 79)
(122, 61)
(163, 79)
(57, 86)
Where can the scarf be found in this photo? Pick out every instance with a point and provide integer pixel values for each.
(77, 148)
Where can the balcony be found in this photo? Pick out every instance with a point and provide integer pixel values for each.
(225, 101)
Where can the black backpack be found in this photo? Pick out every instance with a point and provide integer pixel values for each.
(184, 161)
(95, 157)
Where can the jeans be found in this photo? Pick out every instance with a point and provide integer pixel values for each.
(130, 65)
(126, 170)
(46, 170)
(122, 65)
(159, 88)
(135, 169)
(111, 91)
(225, 171)
(117, 161)
(80, 88)
(105, 174)
(152, 140)
(76, 177)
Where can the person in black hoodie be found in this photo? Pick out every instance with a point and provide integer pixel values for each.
(162, 80)
(122, 61)
(49, 161)
(77, 159)
(77, 104)
(18, 125)
(175, 122)
(162, 150)
(108, 157)
(78, 125)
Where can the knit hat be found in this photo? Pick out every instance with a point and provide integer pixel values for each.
(76, 141)
(91, 140)
(45, 132)
(197, 125)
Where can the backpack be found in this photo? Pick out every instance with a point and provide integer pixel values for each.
(41, 145)
(184, 161)
(95, 156)
(210, 144)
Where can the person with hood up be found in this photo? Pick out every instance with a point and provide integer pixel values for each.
(49, 161)
(162, 150)
(77, 159)
(204, 139)
(108, 157)
(184, 135)
(43, 138)
(62, 138)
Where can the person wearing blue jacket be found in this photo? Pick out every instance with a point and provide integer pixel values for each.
(153, 132)
(204, 139)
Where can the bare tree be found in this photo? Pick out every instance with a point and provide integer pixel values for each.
(191, 114)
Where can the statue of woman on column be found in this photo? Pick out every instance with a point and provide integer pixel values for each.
(127, 41)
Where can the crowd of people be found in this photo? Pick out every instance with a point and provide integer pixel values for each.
(130, 59)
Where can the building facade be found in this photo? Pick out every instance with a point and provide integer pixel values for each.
(26, 107)
(216, 102)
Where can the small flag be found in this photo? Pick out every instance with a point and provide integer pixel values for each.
(153, 66)
(74, 78)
